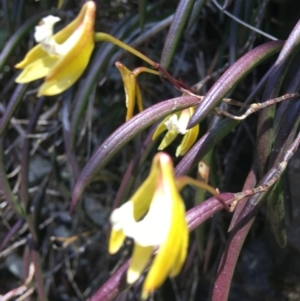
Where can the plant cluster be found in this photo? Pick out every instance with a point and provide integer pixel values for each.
(103, 133)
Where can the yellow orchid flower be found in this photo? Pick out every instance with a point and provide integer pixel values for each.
(176, 124)
(160, 205)
(131, 87)
(61, 58)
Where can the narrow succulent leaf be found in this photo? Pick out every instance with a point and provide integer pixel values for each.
(276, 213)
(15, 39)
(200, 213)
(275, 199)
(13, 104)
(180, 19)
(123, 135)
(66, 110)
(195, 13)
(286, 132)
(38, 276)
(142, 12)
(226, 4)
(113, 286)
(6, 16)
(285, 106)
(11, 233)
(204, 145)
(235, 242)
(231, 77)
(265, 130)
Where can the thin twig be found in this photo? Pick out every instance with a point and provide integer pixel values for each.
(257, 106)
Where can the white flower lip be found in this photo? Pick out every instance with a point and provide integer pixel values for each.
(44, 34)
(175, 124)
(152, 230)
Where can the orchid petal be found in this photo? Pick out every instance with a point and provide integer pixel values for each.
(60, 37)
(38, 69)
(171, 249)
(62, 77)
(67, 53)
(116, 240)
(187, 141)
(140, 258)
(130, 85)
(168, 139)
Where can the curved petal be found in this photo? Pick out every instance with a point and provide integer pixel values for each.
(142, 198)
(187, 141)
(182, 252)
(169, 251)
(82, 47)
(130, 86)
(116, 240)
(140, 258)
(34, 54)
(160, 128)
(38, 69)
(168, 139)
(64, 74)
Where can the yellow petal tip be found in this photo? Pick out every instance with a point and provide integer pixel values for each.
(132, 276)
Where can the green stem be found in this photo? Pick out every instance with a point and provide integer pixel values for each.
(139, 70)
(101, 36)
